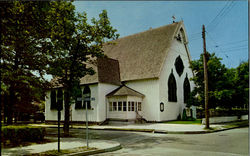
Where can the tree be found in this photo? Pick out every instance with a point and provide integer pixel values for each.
(24, 47)
(219, 85)
(241, 85)
(76, 42)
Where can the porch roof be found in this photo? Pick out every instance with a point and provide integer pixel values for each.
(125, 91)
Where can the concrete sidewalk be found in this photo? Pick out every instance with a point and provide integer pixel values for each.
(164, 127)
(66, 143)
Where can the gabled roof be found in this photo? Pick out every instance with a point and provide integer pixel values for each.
(142, 55)
(124, 91)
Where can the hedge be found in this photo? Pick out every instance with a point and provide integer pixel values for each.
(18, 134)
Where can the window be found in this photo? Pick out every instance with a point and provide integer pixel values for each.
(172, 89)
(186, 89)
(110, 106)
(114, 106)
(139, 106)
(53, 99)
(78, 99)
(119, 106)
(59, 99)
(86, 94)
(129, 106)
(124, 106)
(133, 106)
(179, 67)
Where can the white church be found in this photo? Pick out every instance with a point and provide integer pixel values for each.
(146, 76)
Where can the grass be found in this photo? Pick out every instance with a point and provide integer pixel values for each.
(68, 151)
(197, 122)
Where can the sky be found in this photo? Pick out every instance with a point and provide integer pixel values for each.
(226, 23)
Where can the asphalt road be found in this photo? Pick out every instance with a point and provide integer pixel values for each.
(226, 143)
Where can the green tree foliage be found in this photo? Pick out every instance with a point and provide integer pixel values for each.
(24, 51)
(76, 42)
(241, 85)
(222, 83)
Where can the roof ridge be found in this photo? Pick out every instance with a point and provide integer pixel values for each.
(146, 31)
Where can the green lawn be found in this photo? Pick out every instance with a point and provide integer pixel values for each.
(197, 121)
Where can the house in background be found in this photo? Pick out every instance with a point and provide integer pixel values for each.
(146, 75)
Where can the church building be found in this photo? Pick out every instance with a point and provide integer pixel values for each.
(146, 76)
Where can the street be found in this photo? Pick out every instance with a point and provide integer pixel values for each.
(229, 142)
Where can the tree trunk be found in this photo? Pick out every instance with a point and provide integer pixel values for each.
(10, 106)
(5, 105)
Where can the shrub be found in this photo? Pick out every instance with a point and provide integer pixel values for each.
(18, 134)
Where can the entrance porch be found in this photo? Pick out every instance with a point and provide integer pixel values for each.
(124, 104)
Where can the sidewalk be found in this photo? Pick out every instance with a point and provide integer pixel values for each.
(66, 143)
(108, 146)
(166, 128)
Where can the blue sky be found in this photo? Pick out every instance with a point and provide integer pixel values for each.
(226, 22)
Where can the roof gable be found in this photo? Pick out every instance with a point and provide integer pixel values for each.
(124, 91)
(142, 55)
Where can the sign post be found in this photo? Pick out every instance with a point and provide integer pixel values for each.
(87, 130)
(87, 99)
(59, 118)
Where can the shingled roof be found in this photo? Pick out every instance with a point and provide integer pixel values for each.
(140, 56)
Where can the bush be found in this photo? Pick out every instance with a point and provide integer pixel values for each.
(18, 134)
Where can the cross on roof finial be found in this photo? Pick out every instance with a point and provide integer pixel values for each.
(173, 17)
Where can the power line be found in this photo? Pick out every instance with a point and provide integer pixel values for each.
(225, 13)
(218, 14)
(235, 42)
(231, 50)
(210, 37)
(221, 15)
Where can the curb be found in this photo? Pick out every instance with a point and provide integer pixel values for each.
(163, 131)
(170, 132)
(95, 151)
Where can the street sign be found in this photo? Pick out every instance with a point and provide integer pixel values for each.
(86, 99)
(89, 99)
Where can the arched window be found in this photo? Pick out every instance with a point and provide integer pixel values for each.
(78, 100)
(186, 89)
(60, 99)
(53, 99)
(172, 89)
(87, 94)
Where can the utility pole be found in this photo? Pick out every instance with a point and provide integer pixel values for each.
(205, 77)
